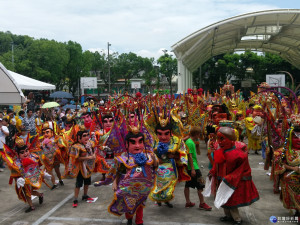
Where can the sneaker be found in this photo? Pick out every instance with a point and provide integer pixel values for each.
(237, 222)
(41, 198)
(31, 208)
(169, 204)
(61, 183)
(204, 206)
(75, 203)
(53, 187)
(1, 170)
(87, 198)
(189, 205)
(159, 203)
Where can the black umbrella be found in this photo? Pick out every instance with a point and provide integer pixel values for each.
(61, 94)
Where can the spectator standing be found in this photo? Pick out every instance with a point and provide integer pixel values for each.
(11, 125)
(3, 133)
(20, 120)
(29, 122)
(30, 102)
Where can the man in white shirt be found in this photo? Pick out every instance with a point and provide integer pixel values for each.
(3, 133)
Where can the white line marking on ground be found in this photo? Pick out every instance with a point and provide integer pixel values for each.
(13, 212)
(44, 217)
(116, 221)
(84, 219)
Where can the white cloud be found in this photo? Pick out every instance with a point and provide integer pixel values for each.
(139, 26)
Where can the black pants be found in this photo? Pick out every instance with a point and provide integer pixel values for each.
(80, 180)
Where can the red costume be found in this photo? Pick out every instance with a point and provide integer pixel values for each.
(232, 167)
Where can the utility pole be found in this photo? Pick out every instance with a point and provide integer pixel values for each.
(108, 44)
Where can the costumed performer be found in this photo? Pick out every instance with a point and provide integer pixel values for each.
(231, 177)
(82, 163)
(26, 170)
(172, 155)
(133, 175)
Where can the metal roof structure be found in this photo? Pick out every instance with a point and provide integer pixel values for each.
(274, 31)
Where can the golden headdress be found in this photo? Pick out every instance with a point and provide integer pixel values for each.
(20, 142)
(47, 125)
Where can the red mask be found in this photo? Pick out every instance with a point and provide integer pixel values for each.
(224, 142)
(87, 121)
(219, 117)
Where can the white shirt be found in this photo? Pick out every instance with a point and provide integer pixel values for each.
(2, 136)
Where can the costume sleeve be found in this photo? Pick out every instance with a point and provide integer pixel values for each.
(112, 173)
(73, 165)
(242, 168)
(181, 163)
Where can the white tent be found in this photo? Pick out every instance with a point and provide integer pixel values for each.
(10, 93)
(27, 83)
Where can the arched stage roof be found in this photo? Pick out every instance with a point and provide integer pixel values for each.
(275, 31)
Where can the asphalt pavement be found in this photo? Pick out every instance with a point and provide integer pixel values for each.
(57, 207)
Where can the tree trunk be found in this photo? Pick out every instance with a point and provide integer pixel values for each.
(170, 84)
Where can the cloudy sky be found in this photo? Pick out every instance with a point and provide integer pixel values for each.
(141, 26)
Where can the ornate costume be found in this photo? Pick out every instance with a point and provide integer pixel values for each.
(170, 171)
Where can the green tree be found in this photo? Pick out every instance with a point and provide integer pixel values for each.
(128, 66)
(168, 67)
(149, 72)
(77, 65)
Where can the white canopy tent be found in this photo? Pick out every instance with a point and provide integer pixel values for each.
(27, 83)
(10, 93)
(276, 31)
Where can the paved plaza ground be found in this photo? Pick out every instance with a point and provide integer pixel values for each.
(57, 207)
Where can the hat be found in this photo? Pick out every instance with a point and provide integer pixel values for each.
(257, 107)
(0, 119)
(228, 132)
(10, 111)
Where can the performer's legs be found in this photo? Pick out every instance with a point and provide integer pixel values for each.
(40, 195)
(235, 214)
(52, 178)
(227, 212)
(78, 185)
(139, 215)
(129, 218)
(85, 190)
(28, 199)
(87, 182)
(57, 171)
